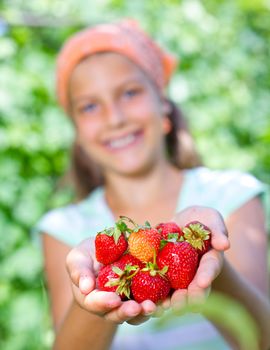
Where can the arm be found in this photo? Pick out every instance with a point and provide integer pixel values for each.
(242, 274)
(80, 312)
(75, 328)
(211, 266)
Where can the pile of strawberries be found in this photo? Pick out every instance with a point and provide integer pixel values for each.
(144, 262)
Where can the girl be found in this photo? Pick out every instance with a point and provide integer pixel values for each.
(133, 156)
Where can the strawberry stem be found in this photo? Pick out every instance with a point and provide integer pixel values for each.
(126, 218)
(133, 274)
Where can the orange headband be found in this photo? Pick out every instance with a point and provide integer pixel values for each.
(125, 38)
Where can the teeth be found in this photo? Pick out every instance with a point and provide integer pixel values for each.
(122, 142)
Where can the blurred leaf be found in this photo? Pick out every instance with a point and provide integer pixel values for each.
(222, 84)
(227, 313)
(24, 263)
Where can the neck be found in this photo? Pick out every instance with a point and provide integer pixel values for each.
(155, 185)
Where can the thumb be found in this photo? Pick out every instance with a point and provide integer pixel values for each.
(81, 270)
(87, 282)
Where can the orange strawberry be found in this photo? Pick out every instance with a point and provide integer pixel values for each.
(198, 235)
(181, 259)
(144, 241)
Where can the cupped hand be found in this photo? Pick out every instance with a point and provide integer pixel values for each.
(83, 268)
(211, 263)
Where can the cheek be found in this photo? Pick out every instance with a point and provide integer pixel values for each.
(87, 130)
(143, 110)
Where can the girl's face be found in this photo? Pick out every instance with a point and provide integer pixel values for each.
(118, 114)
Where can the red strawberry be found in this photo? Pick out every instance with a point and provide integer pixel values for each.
(182, 261)
(150, 285)
(144, 242)
(129, 259)
(116, 277)
(111, 243)
(198, 235)
(169, 230)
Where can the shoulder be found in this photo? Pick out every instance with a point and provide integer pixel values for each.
(223, 178)
(74, 222)
(225, 190)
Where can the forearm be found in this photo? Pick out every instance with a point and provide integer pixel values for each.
(81, 330)
(235, 286)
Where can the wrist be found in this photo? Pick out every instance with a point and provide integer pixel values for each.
(222, 283)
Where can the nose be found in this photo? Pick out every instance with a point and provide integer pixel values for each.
(115, 115)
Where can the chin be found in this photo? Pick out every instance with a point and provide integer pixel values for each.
(135, 170)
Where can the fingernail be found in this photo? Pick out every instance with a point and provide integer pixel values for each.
(85, 284)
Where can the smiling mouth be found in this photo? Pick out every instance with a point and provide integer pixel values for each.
(124, 142)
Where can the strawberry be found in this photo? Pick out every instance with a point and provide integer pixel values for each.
(129, 259)
(182, 261)
(150, 284)
(198, 235)
(169, 230)
(144, 241)
(111, 243)
(116, 277)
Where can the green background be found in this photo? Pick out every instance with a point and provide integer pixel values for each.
(222, 84)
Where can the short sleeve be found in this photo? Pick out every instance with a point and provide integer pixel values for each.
(75, 222)
(61, 223)
(224, 190)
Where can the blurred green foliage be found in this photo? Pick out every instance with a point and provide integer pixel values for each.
(228, 317)
(222, 84)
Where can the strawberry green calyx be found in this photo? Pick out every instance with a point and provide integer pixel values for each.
(123, 280)
(172, 237)
(170, 230)
(119, 228)
(111, 244)
(153, 269)
(196, 234)
(150, 285)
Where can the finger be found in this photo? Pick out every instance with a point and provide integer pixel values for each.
(197, 296)
(219, 239)
(166, 304)
(86, 283)
(209, 268)
(209, 217)
(100, 302)
(179, 298)
(127, 310)
(80, 270)
(159, 311)
(148, 307)
(138, 320)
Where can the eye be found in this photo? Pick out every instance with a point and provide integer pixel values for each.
(131, 92)
(89, 107)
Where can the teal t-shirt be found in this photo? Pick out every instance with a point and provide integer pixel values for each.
(224, 190)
